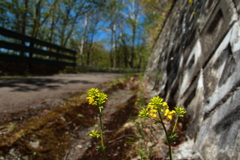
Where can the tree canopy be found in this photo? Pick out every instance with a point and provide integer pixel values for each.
(109, 33)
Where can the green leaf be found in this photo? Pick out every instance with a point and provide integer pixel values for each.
(172, 137)
(130, 138)
(101, 115)
(142, 153)
(157, 121)
(98, 147)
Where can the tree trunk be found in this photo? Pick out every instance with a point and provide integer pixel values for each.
(83, 39)
(24, 21)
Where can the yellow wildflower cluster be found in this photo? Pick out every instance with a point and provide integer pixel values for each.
(157, 105)
(143, 113)
(96, 98)
(180, 111)
(95, 134)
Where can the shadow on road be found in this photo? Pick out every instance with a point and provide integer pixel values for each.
(36, 84)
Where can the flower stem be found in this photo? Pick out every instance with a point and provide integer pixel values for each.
(101, 132)
(174, 126)
(168, 140)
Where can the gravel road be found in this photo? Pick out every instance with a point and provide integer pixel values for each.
(17, 94)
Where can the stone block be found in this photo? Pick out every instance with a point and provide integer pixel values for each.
(221, 74)
(219, 134)
(206, 13)
(237, 4)
(192, 101)
(191, 68)
(216, 28)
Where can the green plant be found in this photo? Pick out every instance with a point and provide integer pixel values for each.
(145, 138)
(11, 127)
(116, 81)
(97, 99)
(145, 132)
(141, 126)
(156, 110)
(127, 75)
(143, 155)
(159, 75)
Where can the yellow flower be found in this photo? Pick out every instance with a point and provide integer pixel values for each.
(169, 113)
(151, 106)
(156, 101)
(143, 113)
(153, 113)
(92, 92)
(165, 105)
(94, 133)
(101, 98)
(190, 1)
(156, 104)
(96, 98)
(180, 111)
(91, 100)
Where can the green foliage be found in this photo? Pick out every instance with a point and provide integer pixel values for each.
(155, 15)
(143, 155)
(98, 55)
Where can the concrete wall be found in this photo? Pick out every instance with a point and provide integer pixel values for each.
(195, 64)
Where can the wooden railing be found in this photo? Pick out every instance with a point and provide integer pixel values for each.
(36, 51)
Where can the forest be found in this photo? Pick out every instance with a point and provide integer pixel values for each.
(105, 33)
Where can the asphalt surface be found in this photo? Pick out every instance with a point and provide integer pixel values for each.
(17, 94)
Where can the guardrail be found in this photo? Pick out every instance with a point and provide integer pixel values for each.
(37, 51)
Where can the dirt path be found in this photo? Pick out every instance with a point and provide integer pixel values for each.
(18, 94)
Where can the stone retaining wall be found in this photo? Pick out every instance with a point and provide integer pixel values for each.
(195, 64)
